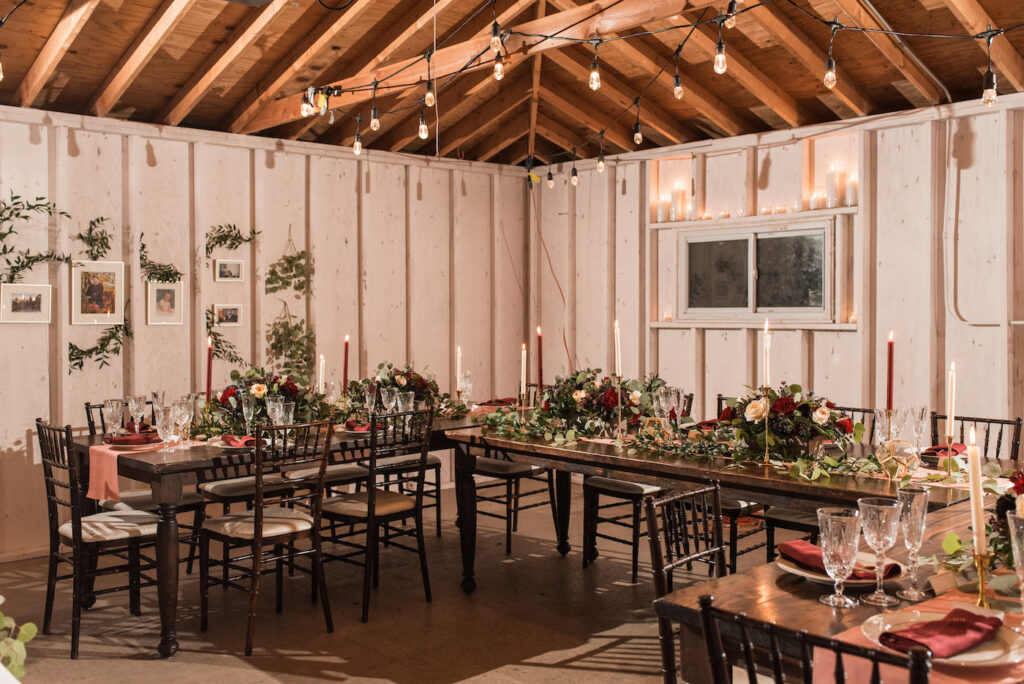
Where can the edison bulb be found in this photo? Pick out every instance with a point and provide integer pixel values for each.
(677, 88)
(1, 71)
(830, 73)
(429, 98)
(499, 68)
(374, 120)
(730, 18)
(306, 108)
(495, 37)
(989, 96)
(638, 136)
(357, 147)
(595, 76)
(424, 132)
(600, 163)
(575, 177)
(721, 65)
(551, 180)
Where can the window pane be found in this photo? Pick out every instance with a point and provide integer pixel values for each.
(718, 274)
(791, 272)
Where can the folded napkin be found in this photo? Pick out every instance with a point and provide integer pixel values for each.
(943, 450)
(357, 427)
(133, 439)
(505, 401)
(142, 427)
(807, 555)
(960, 630)
(103, 473)
(707, 425)
(233, 441)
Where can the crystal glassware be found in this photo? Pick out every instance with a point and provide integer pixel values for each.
(136, 410)
(840, 539)
(406, 401)
(467, 386)
(881, 426)
(158, 396)
(165, 429)
(188, 405)
(370, 400)
(388, 397)
(914, 501)
(918, 420)
(288, 413)
(1015, 523)
(248, 409)
(113, 411)
(880, 520)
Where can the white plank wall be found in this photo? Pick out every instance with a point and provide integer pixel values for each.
(410, 254)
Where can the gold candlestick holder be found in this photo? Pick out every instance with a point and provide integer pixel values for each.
(981, 561)
(618, 422)
(767, 411)
(949, 455)
(522, 400)
(458, 395)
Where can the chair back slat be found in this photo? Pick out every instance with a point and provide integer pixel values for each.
(752, 637)
(94, 411)
(683, 528)
(60, 475)
(983, 427)
(722, 401)
(398, 434)
(864, 416)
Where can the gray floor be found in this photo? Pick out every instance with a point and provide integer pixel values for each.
(536, 616)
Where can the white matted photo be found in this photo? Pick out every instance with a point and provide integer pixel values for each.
(97, 292)
(228, 270)
(165, 303)
(227, 314)
(23, 303)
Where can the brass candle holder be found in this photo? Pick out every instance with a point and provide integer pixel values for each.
(981, 562)
(767, 411)
(458, 395)
(949, 455)
(618, 422)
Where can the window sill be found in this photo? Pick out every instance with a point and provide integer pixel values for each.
(760, 219)
(754, 325)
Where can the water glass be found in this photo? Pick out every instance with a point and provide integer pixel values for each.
(165, 429)
(840, 539)
(333, 392)
(466, 385)
(113, 411)
(914, 500)
(1015, 523)
(919, 421)
(136, 410)
(158, 397)
(880, 519)
(388, 397)
(288, 413)
(370, 399)
(405, 401)
(248, 409)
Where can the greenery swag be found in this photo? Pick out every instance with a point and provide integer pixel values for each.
(17, 210)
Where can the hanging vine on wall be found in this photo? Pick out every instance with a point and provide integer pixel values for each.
(227, 236)
(222, 348)
(294, 271)
(154, 271)
(110, 344)
(292, 346)
(17, 262)
(96, 239)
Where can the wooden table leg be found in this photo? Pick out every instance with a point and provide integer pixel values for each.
(167, 494)
(563, 506)
(465, 494)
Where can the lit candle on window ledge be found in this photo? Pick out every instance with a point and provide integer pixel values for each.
(691, 213)
(780, 208)
(835, 187)
(739, 213)
(723, 214)
(818, 199)
(678, 202)
(661, 211)
(667, 316)
(851, 191)
(795, 207)
(707, 215)
(765, 210)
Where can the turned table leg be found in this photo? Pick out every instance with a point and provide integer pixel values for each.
(465, 494)
(563, 506)
(167, 494)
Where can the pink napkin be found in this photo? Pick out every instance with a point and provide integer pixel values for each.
(103, 472)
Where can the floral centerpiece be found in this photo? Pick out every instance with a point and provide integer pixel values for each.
(405, 379)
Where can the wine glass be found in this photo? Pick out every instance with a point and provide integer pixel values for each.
(370, 399)
(158, 396)
(467, 386)
(113, 411)
(136, 410)
(880, 519)
(333, 392)
(405, 401)
(917, 418)
(840, 539)
(288, 413)
(914, 500)
(388, 397)
(881, 426)
(165, 429)
(1015, 523)
(248, 409)
(187, 412)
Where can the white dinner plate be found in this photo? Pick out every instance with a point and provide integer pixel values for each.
(863, 558)
(217, 442)
(1005, 648)
(134, 447)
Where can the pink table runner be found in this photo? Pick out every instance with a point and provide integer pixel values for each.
(103, 471)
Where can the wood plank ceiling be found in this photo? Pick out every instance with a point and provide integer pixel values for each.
(222, 65)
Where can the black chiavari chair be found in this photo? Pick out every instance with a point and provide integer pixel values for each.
(94, 411)
(81, 540)
(278, 519)
(765, 650)
(865, 417)
(991, 433)
(373, 507)
(683, 528)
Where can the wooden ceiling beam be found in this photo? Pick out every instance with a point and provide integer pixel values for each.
(975, 19)
(240, 40)
(600, 17)
(146, 44)
(810, 55)
(485, 118)
(557, 133)
(612, 134)
(535, 86)
(892, 48)
(622, 95)
(56, 46)
(297, 62)
(492, 147)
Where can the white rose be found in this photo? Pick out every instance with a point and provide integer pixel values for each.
(756, 410)
(579, 396)
(634, 398)
(821, 415)
(400, 380)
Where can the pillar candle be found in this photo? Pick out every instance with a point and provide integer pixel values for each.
(320, 376)
(851, 191)
(818, 199)
(661, 211)
(678, 203)
(540, 361)
(458, 367)
(344, 367)
(767, 356)
(950, 398)
(618, 351)
(209, 367)
(522, 374)
(977, 496)
(888, 382)
(835, 187)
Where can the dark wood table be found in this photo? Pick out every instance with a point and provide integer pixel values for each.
(757, 483)
(773, 595)
(166, 475)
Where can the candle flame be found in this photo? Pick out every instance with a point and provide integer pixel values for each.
(952, 367)
(524, 347)
(346, 338)
(458, 349)
(616, 323)
(766, 326)
(890, 335)
(321, 357)
(538, 330)
(209, 341)
(974, 438)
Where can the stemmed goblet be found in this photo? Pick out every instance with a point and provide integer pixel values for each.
(914, 501)
(248, 409)
(388, 397)
(467, 386)
(165, 429)
(136, 410)
(113, 411)
(840, 539)
(880, 519)
(1015, 523)
(370, 400)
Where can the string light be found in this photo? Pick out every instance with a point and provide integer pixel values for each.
(496, 37)
(677, 83)
(306, 109)
(429, 98)
(551, 180)
(721, 65)
(830, 79)
(330, 119)
(357, 144)
(423, 132)
(1, 69)
(600, 155)
(638, 136)
(374, 116)
(730, 15)
(595, 74)
(499, 67)
(574, 177)
(989, 96)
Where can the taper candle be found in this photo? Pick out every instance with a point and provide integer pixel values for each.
(767, 356)
(320, 375)
(618, 351)
(977, 496)
(950, 398)
(458, 368)
(522, 374)
(209, 367)
(540, 361)
(344, 368)
(888, 382)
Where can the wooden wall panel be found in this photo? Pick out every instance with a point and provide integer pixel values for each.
(788, 361)
(593, 263)
(384, 270)
(778, 176)
(668, 274)
(726, 183)
(727, 370)
(554, 280)
(629, 302)
(837, 374)
(510, 287)
(839, 151)
(677, 350)
(473, 241)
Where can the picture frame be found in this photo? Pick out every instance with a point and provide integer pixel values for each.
(25, 303)
(97, 292)
(228, 270)
(165, 303)
(227, 315)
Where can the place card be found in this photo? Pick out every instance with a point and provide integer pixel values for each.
(943, 581)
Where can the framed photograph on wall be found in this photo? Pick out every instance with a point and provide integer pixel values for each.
(228, 270)
(97, 292)
(227, 314)
(24, 303)
(165, 303)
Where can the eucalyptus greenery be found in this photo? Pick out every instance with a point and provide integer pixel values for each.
(156, 272)
(18, 210)
(13, 638)
(109, 345)
(294, 271)
(96, 239)
(292, 346)
(222, 348)
(227, 236)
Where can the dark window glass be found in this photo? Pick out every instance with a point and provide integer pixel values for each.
(791, 272)
(718, 274)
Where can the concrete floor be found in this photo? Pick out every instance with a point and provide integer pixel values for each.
(535, 617)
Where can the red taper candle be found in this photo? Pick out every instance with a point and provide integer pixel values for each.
(888, 385)
(344, 368)
(209, 367)
(540, 361)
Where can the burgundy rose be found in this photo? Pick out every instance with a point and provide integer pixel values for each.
(226, 395)
(672, 414)
(829, 405)
(728, 413)
(610, 399)
(635, 420)
(784, 406)
(847, 425)
(1018, 482)
(289, 389)
(546, 405)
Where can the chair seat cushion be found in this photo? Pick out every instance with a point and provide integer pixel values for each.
(277, 521)
(501, 468)
(613, 486)
(338, 473)
(736, 507)
(113, 525)
(142, 500)
(789, 518)
(407, 461)
(237, 487)
(354, 505)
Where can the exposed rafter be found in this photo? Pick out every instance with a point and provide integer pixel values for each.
(556, 132)
(56, 46)
(535, 87)
(485, 118)
(200, 83)
(601, 17)
(492, 147)
(975, 19)
(571, 109)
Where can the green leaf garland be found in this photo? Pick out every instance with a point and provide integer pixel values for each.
(17, 210)
(154, 271)
(227, 236)
(109, 345)
(96, 239)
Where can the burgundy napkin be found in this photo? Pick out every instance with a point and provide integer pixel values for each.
(942, 450)
(133, 439)
(233, 441)
(960, 630)
(357, 427)
(505, 401)
(807, 555)
(707, 425)
(143, 427)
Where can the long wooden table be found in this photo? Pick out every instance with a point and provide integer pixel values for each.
(757, 483)
(166, 474)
